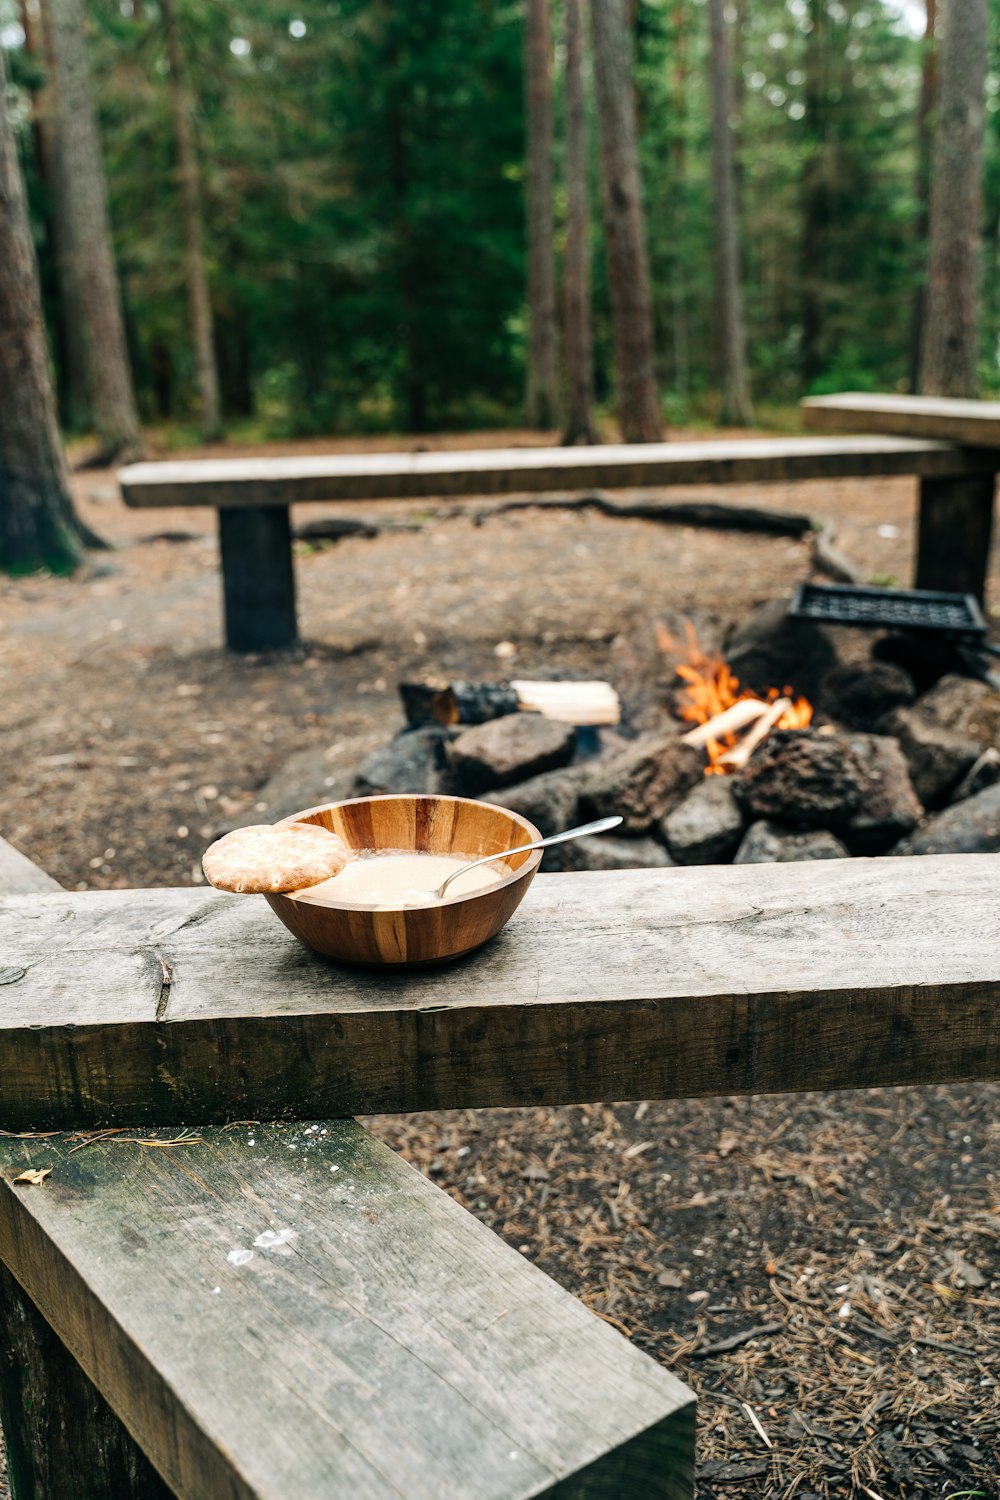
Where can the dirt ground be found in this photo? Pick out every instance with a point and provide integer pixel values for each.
(829, 1263)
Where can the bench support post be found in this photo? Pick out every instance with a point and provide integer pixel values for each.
(61, 1436)
(953, 534)
(258, 579)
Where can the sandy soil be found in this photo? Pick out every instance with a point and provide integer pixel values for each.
(840, 1223)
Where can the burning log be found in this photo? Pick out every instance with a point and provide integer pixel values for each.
(729, 721)
(580, 703)
(736, 759)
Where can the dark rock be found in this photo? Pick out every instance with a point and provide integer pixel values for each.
(769, 843)
(549, 801)
(804, 779)
(604, 851)
(968, 827)
(412, 761)
(504, 751)
(642, 782)
(889, 805)
(859, 696)
(985, 773)
(925, 658)
(770, 650)
(706, 827)
(968, 707)
(938, 757)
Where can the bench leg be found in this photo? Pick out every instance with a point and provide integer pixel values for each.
(61, 1436)
(953, 534)
(258, 578)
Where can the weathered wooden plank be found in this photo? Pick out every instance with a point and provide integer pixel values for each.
(19, 875)
(623, 985)
(384, 1344)
(378, 476)
(954, 532)
(258, 578)
(941, 417)
(60, 1436)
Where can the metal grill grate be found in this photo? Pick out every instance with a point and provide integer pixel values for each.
(906, 609)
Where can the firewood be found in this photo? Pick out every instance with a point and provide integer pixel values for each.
(742, 713)
(736, 759)
(581, 703)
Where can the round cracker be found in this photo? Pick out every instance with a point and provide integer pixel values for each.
(268, 857)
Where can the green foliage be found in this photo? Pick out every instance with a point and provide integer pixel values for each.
(362, 181)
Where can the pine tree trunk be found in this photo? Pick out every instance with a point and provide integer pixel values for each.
(678, 158)
(730, 327)
(950, 349)
(579, 332)
(68, 321)
(199, 300)
(624, 228)
(543, 356)
(925, 110)
(37, 525)
(818, 166)
(85, 200)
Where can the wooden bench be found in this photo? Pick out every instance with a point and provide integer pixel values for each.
(276, 1311)
(358, 1350)
(955, 526)
(167, 1006)
(253, 496)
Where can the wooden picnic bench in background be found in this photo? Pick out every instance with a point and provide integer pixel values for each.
(289, 1309)
(253, 496)
(955, 524)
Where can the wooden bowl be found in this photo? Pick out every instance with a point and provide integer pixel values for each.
(419, 935)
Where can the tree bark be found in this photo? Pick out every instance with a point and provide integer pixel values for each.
(579, 330)
(72, 370)
(730, 326)
(922, 187)
(624, 228)
(950, 346)
(543, 359)
(108, 373)
(199, 300)
(38, 528)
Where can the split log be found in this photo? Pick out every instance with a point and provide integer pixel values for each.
(736, 759)
(742, 713)
(581, 703)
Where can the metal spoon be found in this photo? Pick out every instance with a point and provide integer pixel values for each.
(601, 826)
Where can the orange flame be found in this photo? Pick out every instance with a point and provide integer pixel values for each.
(710, 687)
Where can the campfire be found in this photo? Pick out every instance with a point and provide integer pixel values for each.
(731, 722)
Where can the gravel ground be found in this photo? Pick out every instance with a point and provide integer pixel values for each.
(860, 1232)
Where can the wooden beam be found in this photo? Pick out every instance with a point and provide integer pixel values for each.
(258, 578)
(972, 422)
(60, 1436)
(20, 875)
(954, 533)
(128, 1006)
(254, 482)
(278, 1311)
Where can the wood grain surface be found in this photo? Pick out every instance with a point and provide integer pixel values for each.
(123, 1006)
(294, 1312)
(940, 417)
(378, 476)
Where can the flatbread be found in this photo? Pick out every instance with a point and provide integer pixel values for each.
(268, 857)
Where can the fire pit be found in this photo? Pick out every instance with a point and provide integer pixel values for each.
(796, 739)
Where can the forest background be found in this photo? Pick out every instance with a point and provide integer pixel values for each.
(361, 168)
